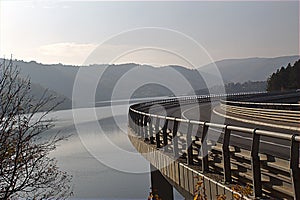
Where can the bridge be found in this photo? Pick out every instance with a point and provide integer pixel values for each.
(256, 145)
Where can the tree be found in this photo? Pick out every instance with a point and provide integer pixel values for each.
(285, 78)
(26, 170)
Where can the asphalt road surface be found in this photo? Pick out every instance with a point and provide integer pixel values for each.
(204, 112)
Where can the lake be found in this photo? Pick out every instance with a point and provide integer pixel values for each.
(99, 154)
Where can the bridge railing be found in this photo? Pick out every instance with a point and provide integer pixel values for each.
(272, 97)
(163, 131)
(277, 106)
(277, 112)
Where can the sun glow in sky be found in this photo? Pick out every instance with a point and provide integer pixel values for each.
(68, 31)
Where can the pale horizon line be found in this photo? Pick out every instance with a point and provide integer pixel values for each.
(147, 64)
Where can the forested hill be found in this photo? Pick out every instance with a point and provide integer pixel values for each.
(285, 78)
(124, 81)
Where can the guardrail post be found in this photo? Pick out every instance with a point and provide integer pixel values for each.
(145, 123)
(136, 123)
(255, 163)
(226, 155)
(175, 139)
(165, 134)
(204, 149)
(189, 145)
(142, 132)
(157, 135)
(132, 120)
(140, 125)
(151, 130)
(294, 167)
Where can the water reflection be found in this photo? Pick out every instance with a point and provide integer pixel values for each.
(93, 179)
(102, 160)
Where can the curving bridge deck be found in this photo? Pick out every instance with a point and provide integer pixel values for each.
(189, 153)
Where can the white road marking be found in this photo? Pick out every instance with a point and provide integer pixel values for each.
(235, 135)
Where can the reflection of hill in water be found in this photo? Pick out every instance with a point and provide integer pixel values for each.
(101, 159)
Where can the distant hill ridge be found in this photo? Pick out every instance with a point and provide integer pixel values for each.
(60, 78)
(253, 69)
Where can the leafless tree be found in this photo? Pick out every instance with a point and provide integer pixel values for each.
(26, 170)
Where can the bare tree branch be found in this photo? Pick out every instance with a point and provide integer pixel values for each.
(26, 171)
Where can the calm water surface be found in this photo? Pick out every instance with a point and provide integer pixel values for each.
(99, 154)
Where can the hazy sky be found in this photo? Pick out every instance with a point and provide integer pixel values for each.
(68, 31)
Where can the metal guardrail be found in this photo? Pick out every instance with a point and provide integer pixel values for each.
(287, 116)
(278, 106)
(147, 126)
(199, 98)
(273, 97)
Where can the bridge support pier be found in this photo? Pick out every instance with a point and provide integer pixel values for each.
(160, 185)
